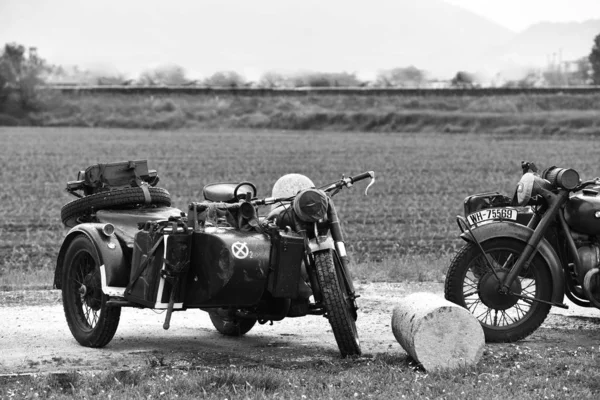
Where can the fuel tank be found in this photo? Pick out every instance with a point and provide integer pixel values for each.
(228, 268)
(582, 212)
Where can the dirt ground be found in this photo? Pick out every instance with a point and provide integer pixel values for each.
(34, 337)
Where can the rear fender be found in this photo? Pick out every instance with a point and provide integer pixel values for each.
(520, 232)
(116, 270)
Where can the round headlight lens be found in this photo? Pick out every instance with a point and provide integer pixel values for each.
(310, 205)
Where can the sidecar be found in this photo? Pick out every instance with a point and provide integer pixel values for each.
(128, 247)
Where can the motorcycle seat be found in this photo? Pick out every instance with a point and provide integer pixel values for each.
(224, 192)
(126, 222)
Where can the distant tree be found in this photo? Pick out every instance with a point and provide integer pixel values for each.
(594, 59)
(21, 72)
(581, 75)
(272, 79)
(401, 77)
(225, 79)
(463, 79)
(164, 75)
(554, 77)
(325, 79)
(110, 79)
(531, 79)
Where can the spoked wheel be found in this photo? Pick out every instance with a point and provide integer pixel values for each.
(504, 317)
(231, 326)
(338, 306)
(91, 321)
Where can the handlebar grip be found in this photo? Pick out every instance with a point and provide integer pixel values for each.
(364, 175)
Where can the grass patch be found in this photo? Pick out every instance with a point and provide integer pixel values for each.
(505, 371)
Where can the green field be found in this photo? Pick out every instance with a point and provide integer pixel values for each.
(405, 227)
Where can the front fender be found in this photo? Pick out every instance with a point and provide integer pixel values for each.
(108, 250)
(324, 243)
(520, 232)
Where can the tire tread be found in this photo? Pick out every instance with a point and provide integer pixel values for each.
(126, 197)
(342, 323)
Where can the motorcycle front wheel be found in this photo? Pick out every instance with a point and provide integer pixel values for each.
(504, 317)
(92, 322)
(231, 326)
(338, 306)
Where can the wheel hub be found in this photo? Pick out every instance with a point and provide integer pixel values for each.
(489, 291)
(91, 292)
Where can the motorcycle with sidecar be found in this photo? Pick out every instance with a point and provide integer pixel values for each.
(128, 247)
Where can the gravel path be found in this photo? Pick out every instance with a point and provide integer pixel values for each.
(34, 336)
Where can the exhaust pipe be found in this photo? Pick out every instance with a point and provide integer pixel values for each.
(588, 287)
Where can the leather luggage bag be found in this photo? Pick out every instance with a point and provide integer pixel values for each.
(160, 261)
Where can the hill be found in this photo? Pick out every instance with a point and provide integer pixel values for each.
(548, 42)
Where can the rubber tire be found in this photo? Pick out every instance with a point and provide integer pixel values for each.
(336, 305)
(81, 260)
(453, 288)
(231, 327)
(127, 197)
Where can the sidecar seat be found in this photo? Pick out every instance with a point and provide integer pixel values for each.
(126, 221)
(224, 191)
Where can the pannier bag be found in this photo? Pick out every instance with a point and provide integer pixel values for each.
(287, 250)
(160, 261)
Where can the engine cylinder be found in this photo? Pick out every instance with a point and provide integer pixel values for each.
(590, 258)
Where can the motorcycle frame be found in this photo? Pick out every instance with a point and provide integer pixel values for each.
(554, 202)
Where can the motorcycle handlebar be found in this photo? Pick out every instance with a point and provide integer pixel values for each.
(199, 207)
(350, 181)
(364, 175)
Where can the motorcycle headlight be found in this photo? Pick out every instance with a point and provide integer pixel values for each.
(529, 186)
(310, 205)
(565, 178)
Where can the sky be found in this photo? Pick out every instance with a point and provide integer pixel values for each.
(519, 14)
(129, 36)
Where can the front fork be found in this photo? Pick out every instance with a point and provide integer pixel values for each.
(555, 202)
(333, 242)
(338, 239)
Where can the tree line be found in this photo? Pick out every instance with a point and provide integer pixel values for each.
(22, 71)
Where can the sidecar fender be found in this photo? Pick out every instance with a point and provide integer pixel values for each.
(523, 233)
(114, 268)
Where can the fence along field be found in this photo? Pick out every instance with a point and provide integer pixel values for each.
(405, 228)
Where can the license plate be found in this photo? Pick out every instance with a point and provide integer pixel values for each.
(492, 214)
